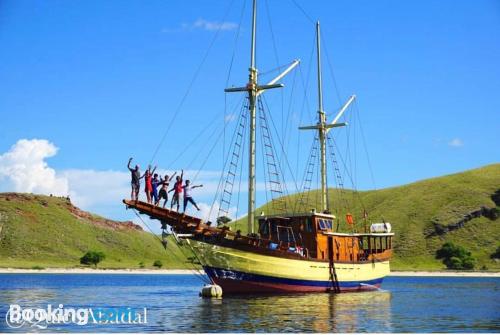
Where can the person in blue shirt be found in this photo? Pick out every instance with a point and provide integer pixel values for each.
(155, 182)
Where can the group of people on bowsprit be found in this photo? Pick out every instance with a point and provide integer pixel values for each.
(153, 181)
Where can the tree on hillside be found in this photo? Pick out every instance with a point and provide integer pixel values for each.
(92, 257)
(222, 220)
(456, 257)
(496, 254)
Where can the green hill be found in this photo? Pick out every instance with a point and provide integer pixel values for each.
(463, 208)
(42, 231)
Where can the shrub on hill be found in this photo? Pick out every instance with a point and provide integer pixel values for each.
(456, 257)
(92, 257)
(222, 220)
(158, 264)
(496, 254)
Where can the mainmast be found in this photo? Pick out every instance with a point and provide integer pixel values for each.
(322, 127)
(252, 97)
(321, 123)
(254, 90)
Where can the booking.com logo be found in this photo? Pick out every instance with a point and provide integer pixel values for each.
(17, 316)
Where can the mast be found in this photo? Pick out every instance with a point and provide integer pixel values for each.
(321, 128)
(252, 97)
(253, 90)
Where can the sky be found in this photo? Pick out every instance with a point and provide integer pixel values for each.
(84, 85)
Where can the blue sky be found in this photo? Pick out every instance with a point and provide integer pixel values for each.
(101, 80)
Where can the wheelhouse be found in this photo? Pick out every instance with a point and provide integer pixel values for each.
(314, 235)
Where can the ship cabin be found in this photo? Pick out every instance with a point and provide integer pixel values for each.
(315, 235)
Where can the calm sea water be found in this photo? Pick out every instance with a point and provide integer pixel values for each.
(405, 304)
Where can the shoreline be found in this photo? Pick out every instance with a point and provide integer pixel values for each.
(185, 272)
(443, 274)
(100, 271)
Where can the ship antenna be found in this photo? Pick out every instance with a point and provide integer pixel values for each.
(254, 90)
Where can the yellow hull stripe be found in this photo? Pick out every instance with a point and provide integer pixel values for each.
(253, 263)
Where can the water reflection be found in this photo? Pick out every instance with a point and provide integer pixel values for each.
(354, 312)
(173, 304)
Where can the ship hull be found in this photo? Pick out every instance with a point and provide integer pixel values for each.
(240, 272)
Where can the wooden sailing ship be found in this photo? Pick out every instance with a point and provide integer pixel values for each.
(291, 251)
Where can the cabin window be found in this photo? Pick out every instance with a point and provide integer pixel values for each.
(274, 228)
(264, 227)
(325, 224)
(308, 227)
(285, 234)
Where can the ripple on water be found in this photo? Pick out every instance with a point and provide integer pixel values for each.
(405, 304)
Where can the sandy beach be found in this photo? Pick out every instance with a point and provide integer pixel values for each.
(443, 274)
(184, 271)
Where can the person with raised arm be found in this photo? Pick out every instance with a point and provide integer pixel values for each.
(188, 195)
(148, 177)
(136, 180)
(163, 194)
(177, 191)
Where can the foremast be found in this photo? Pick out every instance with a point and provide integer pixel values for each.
(322, 127)
(253, 90)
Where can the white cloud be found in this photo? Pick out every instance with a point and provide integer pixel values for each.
(209, 213)
(89, 188)
(456, 142)
(214, 25)
(23, 169)
(202, 24)
(230, 117)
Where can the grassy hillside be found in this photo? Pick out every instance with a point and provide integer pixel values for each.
(42, 231)
(462, 208)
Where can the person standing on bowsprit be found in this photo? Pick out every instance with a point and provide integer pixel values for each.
(188, 196)
(164, 190)
(136, 180)
(177, 191)
(148, 177)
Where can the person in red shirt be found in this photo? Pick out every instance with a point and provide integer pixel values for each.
(177, 191)
(149, 185)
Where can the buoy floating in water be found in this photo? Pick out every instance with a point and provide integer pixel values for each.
(211, 291)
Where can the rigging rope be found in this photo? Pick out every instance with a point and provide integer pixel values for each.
(191, 83)
(195, 138)
(305, 102)
(229, 76)
(303, 11)
(197, 273)
(365, 146)
(219, 185)
(330, 67)
(282, 148)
